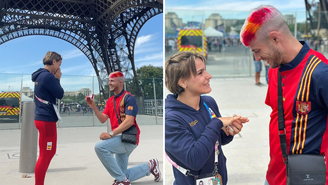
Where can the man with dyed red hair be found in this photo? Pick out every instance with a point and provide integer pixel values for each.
(304, 82)
(125, 109)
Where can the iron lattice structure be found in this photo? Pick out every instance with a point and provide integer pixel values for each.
(316, 20)
(104, 30)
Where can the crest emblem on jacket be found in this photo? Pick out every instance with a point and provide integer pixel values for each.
(193, 123)
(303, 107)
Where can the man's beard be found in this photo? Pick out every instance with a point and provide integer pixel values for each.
(276, 57)
(112, 88)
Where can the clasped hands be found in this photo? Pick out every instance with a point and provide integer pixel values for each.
(233, 125)
(58, 73)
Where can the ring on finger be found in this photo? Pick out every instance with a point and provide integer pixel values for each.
(229, 127)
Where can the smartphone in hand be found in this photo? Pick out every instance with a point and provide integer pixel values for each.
(90, 97)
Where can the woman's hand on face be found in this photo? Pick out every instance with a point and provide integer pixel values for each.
(58, 74)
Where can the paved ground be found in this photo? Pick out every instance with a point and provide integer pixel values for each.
(75, 161)
(248, 154)
(87, 121)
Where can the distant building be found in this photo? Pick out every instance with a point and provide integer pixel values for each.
(216, 21)
(27, 91)
(84, 91)
(70, 93)
(290, 19)
(231, 22)
(172, 20)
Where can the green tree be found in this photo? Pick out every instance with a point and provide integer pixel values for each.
(146, 76)
(68, 99)
(228, 29)
(150, 72)
(80, 97)
(318, 15)
(300, 27)
(131, 86)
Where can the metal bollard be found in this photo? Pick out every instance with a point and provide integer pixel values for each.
(29, 139)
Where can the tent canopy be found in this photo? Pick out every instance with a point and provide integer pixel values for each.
(211, 32)
(25, 98)
(233, 33)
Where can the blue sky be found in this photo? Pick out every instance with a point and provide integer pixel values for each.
(231, 9)
(24, 55)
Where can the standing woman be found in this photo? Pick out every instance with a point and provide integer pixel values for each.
(194, 128)
(47, 88)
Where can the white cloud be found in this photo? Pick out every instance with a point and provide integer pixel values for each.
(143, 39)
(35, 63)
(29, 67)
(75, 68)
(156, 56)
(146, 44)
(146, 49)
(74, 83)
(88, 72)
(22, 68)
(199, 11)
(72, 54)
(282, 5)
(13, 82)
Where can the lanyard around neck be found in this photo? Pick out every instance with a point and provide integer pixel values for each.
(212, 115)
(210, 112)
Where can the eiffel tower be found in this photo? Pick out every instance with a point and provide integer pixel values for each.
(104, 30)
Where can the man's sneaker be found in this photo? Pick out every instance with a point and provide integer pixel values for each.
(154, 169)
(126, 181)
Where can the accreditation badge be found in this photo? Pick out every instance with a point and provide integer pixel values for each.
(49, 145)
(214, 180)
(57, 112)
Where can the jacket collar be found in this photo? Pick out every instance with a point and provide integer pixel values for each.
(120, 94)
(297, 60)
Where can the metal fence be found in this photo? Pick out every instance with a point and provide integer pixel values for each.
(73, 108)
(227, 57)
